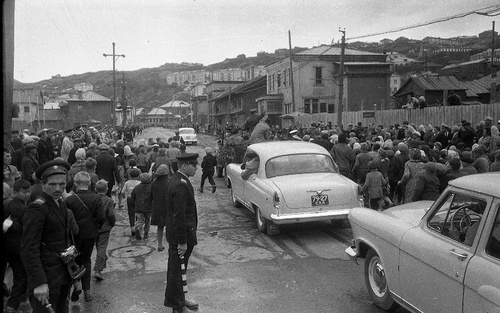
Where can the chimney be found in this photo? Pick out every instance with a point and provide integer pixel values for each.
(252, 70)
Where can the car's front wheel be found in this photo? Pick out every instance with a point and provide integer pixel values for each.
(376, 282)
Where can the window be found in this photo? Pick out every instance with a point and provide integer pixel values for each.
(458, 217)
(493, 246)
(288, 108)
(278, 76)
(272, 82)
(311, 106)
(318, 75)
(284, 77)
(294, 164)
(26, 109)
(322, 107)
(331, 108)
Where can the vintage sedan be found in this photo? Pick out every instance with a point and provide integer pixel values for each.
(286, 182)
(441, 256)
(188, 135)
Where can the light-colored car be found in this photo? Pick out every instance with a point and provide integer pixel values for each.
(441, 256)
(293, 182)
(188, 135)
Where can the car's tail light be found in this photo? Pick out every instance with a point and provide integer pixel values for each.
(276, 200)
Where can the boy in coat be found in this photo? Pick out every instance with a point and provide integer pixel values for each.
(208, 169)
(142, 204)
(374, 184)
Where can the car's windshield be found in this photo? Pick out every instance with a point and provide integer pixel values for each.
(299, 164)
(186, 131)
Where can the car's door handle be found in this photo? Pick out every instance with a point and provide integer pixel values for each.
(461, 256)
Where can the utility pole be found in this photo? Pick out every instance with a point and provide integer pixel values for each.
(113, 102)
(341, 81)
(291, 70)
(493, 70)
(123, 101)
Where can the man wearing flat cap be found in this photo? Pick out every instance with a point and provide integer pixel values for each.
(29, 163)
(45, 148)
(252, 121)
(77, 144)
(182, 221)
(107, 167)
(46, 233)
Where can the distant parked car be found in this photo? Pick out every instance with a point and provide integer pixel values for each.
(188, 135)
(286, 182)
(441, 256)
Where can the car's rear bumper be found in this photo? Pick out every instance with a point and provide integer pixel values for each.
(191, 142)
(309, 216)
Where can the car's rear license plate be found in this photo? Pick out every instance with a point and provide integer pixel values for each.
(319, 200)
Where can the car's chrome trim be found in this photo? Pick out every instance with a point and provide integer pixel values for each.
(308, 216)
(352, 254)
(405, 304)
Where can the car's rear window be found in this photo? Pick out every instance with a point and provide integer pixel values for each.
(186, 131)
(299, 164)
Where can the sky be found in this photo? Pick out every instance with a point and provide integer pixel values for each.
(68, 37)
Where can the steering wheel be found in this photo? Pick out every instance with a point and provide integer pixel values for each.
(465, 221)
(468, 221)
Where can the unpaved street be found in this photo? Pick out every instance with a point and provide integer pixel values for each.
(234, 268)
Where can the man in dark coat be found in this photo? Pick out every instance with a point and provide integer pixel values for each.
(159, 188)
(29, 163)
(182, 221)
(45, 235)
(343, 155)
(428, 186)
(252, 121)
(14, 211)
(45, 149)
(78, 143)
(107, 168)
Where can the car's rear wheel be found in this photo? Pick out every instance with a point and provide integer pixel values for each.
(235, 201)
(376, 282)
(265, 225)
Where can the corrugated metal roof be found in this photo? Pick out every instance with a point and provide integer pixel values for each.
(439, 83)
(249, 85)
(447, 67)
(475, 87)
(157, 111)
(329, 50)
(176, 104)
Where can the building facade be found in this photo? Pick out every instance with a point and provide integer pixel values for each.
(316, 82)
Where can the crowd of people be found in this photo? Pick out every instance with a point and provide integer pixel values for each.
(394, 164)
(61, 190)
(58, 190)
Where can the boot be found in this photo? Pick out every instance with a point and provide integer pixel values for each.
(146, 235)
(213, 188)
(138, 235)
(87, 295)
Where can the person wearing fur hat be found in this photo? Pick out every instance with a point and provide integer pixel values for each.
(208, 169)
(142, 205)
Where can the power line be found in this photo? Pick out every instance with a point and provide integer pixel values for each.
(489, 10)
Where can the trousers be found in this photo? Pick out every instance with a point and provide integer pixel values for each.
(101, 244)
(142, 222)
(174, 295)
(85, 247)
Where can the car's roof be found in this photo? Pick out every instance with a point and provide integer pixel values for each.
(271, 149)
(184, 128)
(486, 183)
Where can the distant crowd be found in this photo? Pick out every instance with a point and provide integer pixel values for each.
(415, 162)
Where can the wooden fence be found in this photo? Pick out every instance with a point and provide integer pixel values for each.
(430, 115)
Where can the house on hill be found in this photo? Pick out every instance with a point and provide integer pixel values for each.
(26, 106)
(177, 111)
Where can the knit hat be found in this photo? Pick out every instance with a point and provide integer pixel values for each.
(208, 150)
(80, 154)
(162, 170)
(145, 178)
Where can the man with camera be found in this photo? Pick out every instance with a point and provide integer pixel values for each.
(46, 233)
